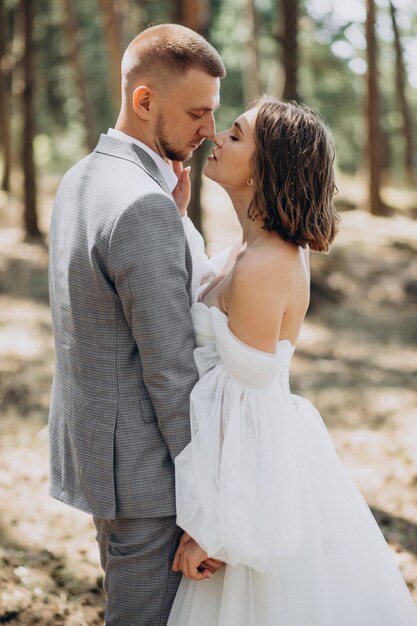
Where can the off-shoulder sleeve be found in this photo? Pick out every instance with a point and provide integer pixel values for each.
(237, 484)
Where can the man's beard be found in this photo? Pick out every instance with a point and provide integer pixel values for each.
(164, 146)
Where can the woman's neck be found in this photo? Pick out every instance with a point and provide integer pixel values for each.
(241, 202)
(251, 231)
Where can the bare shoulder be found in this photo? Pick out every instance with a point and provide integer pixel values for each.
(257, 294)
(272, 267)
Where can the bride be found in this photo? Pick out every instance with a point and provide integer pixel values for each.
(260, 486)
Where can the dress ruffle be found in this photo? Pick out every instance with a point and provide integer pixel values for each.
(261, 487)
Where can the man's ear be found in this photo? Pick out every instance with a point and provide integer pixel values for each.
(141, 102)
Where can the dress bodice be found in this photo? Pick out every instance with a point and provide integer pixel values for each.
(250, 366)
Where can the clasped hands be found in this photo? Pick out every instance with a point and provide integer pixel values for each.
(193, 561)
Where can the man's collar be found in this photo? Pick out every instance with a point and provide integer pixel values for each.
(170, 178)
(129, 151)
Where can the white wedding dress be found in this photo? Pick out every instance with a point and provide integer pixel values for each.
(261, 487)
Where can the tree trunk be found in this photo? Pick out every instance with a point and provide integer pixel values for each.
(288, 39)
(372, 115)
(195, 210)
(195, 15)
(71, 33)
(30, 212)
(402, 100)
(250, 69)
(175, 9)
(4, 104)
(114, 47)
(122, 12)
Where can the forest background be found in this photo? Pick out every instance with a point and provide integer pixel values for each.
(356, 63)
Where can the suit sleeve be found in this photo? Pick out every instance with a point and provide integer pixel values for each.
(147, 264)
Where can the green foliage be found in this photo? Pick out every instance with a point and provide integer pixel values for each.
(58, 105)
(228, 38)
(331, 66)
(329, 85)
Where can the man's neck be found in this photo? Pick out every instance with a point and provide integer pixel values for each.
(125, 126)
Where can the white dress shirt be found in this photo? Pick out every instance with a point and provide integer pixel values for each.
(169, 177)
(204, 269)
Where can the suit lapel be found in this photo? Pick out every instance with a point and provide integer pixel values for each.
(151, 167)
(134, 153)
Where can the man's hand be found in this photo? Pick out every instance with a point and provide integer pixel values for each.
(193, 561)
(176, 562)
(182, 191)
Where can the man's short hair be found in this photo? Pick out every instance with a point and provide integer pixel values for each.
(168, 50)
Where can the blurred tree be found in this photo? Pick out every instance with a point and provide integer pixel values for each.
(123, 14)
(288, 39)
(228, 36)
(402, 99)
(372, 115)
(156, 12)
(194, 14)
(114, 44)
(30, 211)
(4, 102)
(250, 70)
(71, 31)
(330, 53)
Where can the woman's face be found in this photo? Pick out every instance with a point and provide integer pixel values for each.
(231, 161)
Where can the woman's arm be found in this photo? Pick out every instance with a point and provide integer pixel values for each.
(256, 300)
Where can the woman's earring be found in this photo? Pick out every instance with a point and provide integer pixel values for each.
(249, 181)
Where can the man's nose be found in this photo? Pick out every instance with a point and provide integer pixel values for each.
(209, 127)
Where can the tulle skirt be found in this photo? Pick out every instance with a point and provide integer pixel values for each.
(260, 487)
(328, 565)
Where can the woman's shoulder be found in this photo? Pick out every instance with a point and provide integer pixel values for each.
(262, 277)
(273, 263)
(255, 300)
(269, 276)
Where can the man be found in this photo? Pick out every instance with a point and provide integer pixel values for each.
(120, 286)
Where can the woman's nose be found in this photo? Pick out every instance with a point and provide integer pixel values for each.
(217, 139)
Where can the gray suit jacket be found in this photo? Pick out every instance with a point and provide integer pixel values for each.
(120, 277)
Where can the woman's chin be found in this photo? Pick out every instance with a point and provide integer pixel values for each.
(208, 171)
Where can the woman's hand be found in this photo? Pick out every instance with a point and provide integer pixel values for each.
(182, 191)
(177, 558)
(193, 561)
(191, 558)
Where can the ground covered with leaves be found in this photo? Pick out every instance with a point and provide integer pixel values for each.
(356, 360)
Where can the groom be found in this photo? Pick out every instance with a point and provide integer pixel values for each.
(120, 287)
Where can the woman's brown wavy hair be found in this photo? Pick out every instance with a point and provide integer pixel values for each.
(293, 174)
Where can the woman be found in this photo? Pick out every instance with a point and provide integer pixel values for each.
(260, 486)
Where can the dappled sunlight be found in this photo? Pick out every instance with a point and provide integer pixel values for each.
(19, 342)
(51, 553)
(313, 334)
(360, 226)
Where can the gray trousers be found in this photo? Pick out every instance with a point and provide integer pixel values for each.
(136, 556)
